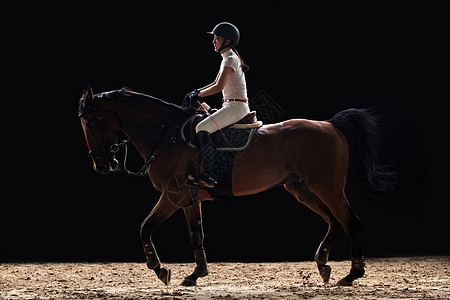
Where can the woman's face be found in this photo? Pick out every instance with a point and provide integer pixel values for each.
(217, 42)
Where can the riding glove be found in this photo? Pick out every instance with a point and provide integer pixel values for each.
(191, 98)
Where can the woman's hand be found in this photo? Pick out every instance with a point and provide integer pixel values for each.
(191, 98)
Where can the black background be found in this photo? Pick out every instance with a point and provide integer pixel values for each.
(313, 61)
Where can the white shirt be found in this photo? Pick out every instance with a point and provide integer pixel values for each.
(236, 88)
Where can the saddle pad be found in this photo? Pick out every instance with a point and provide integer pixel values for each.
(256, 124)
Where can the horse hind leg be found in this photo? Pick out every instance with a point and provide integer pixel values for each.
(341, 209)
(301, 192)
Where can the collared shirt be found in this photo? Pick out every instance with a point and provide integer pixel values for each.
(236, 87)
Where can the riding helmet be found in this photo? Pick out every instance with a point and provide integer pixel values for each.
(229, 32)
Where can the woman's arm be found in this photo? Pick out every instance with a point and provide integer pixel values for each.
(209, 85)
(218, 85)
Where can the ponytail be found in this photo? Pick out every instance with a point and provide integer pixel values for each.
(244, 67)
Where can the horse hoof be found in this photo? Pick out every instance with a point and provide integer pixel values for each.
(344, 282)
(164, 275)
(188, 282)
(325, 272)
(348, 280)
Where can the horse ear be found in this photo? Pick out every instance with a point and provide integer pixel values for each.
(89, 93)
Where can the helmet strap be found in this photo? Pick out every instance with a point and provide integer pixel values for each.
(230, 45)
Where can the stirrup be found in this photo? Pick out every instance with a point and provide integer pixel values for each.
(202, 181)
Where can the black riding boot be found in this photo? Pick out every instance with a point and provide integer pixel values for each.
(209, 155)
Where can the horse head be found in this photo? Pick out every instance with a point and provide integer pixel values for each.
(101, 127)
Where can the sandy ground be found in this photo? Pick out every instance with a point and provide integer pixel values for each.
(386, 278)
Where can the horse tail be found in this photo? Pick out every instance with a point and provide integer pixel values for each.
(362, 130)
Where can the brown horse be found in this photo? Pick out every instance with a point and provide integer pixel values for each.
(310, 158)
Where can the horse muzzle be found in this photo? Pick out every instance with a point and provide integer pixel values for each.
(104, 165)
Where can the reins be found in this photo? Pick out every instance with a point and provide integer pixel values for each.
(114, 148)
(153, 153)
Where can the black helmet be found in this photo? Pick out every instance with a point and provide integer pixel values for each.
(229, 32)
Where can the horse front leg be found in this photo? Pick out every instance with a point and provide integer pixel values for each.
(162, 210)
(194, 220)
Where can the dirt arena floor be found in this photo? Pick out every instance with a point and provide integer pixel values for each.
(386, 278)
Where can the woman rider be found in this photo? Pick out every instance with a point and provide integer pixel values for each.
(231, 81)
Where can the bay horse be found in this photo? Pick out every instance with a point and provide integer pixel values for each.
(309, 158)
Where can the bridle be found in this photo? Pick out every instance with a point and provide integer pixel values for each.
(104, 151)
(111, 148)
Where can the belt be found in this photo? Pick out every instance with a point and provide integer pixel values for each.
(238, 100)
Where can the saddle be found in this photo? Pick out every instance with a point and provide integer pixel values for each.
(228, 142)
(236, 137)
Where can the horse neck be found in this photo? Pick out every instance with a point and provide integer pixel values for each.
(142, 118)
